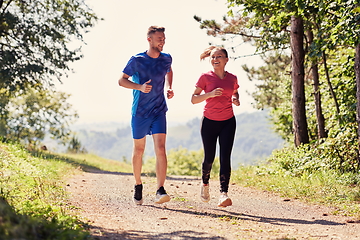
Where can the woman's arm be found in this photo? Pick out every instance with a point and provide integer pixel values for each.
(235, 99)
(197, 97)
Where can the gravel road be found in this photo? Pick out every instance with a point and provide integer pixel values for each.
(105, 202)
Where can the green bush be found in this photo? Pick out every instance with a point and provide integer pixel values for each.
(334, 153)
(324, 172)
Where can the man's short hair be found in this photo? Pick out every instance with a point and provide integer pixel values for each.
(154, 29)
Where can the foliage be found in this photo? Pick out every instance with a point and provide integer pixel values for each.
(335, 22)
(344, 25)
(272, 80)
(34, 113)
(37, 39)
(75, 146)
(274, 91)
(4, 100)
(184, 162)
(328, 156)
(32, 198)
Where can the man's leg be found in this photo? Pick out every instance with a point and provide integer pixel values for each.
(161, 167)
(161, 159)
(138, 151)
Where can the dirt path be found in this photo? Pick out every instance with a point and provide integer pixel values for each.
(105, 201)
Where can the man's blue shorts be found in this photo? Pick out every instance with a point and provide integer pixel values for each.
(148, 126)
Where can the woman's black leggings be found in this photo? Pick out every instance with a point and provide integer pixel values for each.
(210, 131)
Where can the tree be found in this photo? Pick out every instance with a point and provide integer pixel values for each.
(75, 146)
(297, 76)
(34, 113)
(346, 30)
(317, 94)
(37, 40)
(357, 71)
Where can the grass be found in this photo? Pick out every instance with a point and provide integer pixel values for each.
(179, 199)
(32, 199)
(323, 187)
(33, 202)
(94, 161)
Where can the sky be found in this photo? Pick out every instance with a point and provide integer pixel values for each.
(93, 84)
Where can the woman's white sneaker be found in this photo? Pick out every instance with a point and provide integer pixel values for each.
(205, 195)
(224, 200)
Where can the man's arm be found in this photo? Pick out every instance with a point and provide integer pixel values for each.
(169, 81)
(126, 83)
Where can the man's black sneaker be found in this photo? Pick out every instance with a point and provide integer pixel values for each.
(138, 199)
(161, 196)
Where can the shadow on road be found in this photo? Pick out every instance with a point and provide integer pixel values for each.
(103, 234)
(246, 217)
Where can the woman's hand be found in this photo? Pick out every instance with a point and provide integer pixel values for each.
(216, 92)
(236, 101)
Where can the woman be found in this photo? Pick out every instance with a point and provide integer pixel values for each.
(220, 90)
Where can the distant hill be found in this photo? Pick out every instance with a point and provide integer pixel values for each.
(254, 139)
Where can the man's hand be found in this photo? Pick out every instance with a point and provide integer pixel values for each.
(146, 87)
(170, 93)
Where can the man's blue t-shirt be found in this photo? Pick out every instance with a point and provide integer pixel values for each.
(142, 68)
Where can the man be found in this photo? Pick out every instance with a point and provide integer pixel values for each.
(149, 71)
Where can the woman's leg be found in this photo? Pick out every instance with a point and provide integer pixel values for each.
(226, 141)
(209, 135)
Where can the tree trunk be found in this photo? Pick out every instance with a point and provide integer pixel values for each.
(317, 95)
(337, 107)
(357, 74)
(297, 76)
